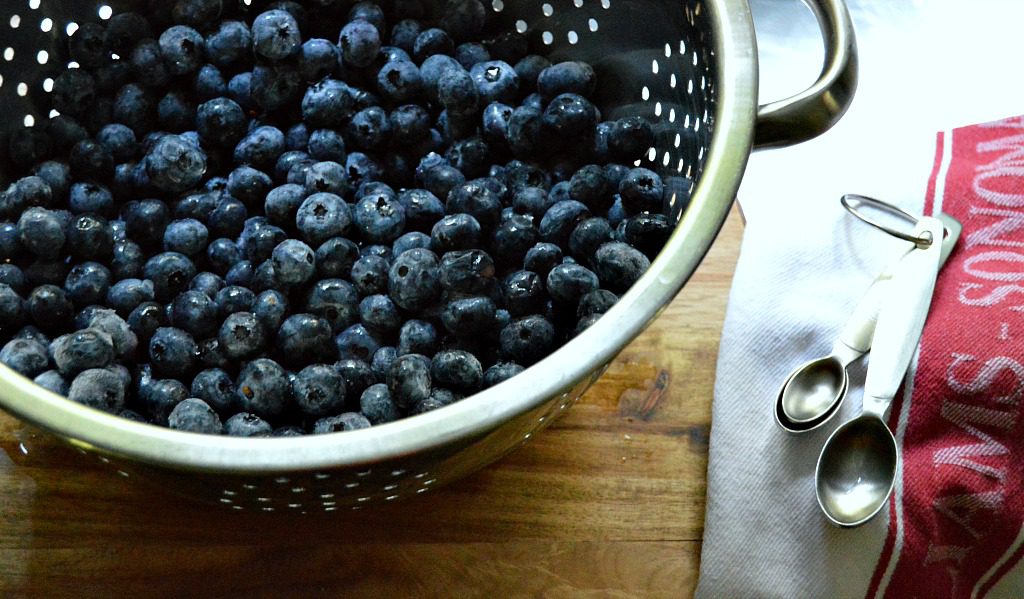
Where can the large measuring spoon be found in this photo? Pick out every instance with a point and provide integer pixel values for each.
(857, 466)
(813, 392)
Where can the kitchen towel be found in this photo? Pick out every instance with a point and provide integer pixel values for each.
(953, 526)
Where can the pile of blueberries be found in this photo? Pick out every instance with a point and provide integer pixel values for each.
(235, 224)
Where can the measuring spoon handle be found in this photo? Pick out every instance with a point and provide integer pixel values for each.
(901, 319)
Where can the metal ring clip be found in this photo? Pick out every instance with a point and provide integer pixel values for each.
(920, 241)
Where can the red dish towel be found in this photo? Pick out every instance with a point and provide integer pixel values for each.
(955, 526)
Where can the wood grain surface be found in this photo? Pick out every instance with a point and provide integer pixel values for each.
(607, 502)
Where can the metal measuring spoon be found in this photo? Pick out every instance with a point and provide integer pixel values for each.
(813, 392)
(857, 467)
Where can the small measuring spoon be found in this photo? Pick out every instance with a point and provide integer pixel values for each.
(813, 392)
(857, 466)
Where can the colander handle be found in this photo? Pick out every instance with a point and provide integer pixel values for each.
(813, 111)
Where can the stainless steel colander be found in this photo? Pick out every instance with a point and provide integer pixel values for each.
(690, 67)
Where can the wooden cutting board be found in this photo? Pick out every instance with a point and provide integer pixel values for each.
(608, 501)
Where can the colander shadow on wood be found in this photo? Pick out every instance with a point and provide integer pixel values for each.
(688, 67)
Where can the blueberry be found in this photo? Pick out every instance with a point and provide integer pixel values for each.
(182, 49)
(270, 308)
(90, 237)
(457, 369)
(98, 388)
(41, 232)
(597, 301)
(567, 77)
(51, 380)
(335, 257)
(588, 236)
(193, 415)
(441, 179)
(74, 92)
(619, 265)
(356, 343)
(560, 220)
(370, 275)
(377, 405)
(197, 13)
(457, 92)
(409, 241)
(223, 254)
(335, 301)
(646, 232)
(570, 117)
(124, 30)
(161, 397)
(471, 53)
(327, 177)
(328, 103)
(529, 68)
(187, 236)
(524, 293)
(455, 232)
(318, 390)
(14, 277)
(318, 58)
(422, 209)
(496, 81)
(532, 201)
(496, 117)
(466, 271)
(630, 138)
(289, 431)
(273, 87)
(12, 308)
(230, 44)
(127, 262)
(382, 360)
(275, 35)
(590, 186)
(249, 185)
(87, 283)
(145, 221)
(439, 398)
(282, 202)
(410, 124)
(500, 372)
(210, 83)
(57, 175)
(379, 313)
(369, 12)
(360, 42)
(240, 90)
(524, 132)
(514, 237)
(528, 339)
(148, 65)
(379, 217)
(349, 421)
(244, 424)
(323, 216)
(221, 122)
(519, 175)
(260, 148)
(417, 337)
(170, 273)
(304, 338)
(414, 280)
(127, 294)
(227, 219)
(259, 238)
(408, 380)
(642, 191)
(145, 319)
(399, 82)
(327, 145)
(85, 349)
(469, 317)
(27, 357)
(119, 140)
(404, 34)
(172, 352)
(294, 262)
(263, 388)
(175, 165)
(195, 313)
(567, 283)
(431, 42)
(50, 308)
